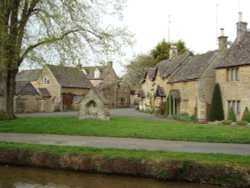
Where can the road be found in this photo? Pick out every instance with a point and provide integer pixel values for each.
(127, 143)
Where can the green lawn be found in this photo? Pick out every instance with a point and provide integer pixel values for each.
(127, 127)
(232, 160)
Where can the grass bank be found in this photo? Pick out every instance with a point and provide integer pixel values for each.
(220, 169)
(127, 127)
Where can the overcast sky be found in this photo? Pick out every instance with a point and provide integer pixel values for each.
(196, 22)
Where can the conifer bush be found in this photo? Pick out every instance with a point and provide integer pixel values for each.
(216, 110)
(231, 115)
(246, 115)
(167, 107)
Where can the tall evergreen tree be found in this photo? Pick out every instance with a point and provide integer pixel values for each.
(216, 111)
(246, 115)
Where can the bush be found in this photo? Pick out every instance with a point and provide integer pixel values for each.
(231, 115)
(242, 123)
(227, 122)
(3, 115)
(216, 111)
(185, 117)
(246, 115)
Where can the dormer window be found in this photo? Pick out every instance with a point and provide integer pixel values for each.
(97, 73)
(45, 80)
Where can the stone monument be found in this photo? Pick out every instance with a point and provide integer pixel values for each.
(94, 106)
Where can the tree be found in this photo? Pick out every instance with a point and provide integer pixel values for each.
(136, 69)
(231, 115)
(36, 29)
(246, 115)
(161, 51)
(216, 111)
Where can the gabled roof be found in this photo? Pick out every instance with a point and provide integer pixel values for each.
(160, 92)
(167, 67)
(28, 75)
(104, 72)
(70, 76)
(238, 54)
(193, 67)
(25, 88)
(44, 92)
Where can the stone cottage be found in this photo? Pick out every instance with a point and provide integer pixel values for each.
(186, 80)
(66, 85)
(106, 81)
(233, 73)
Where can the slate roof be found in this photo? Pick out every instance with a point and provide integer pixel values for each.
(193, 67)
(70, 77)
(104, 71)
(25, 88)
(44, 92)
(238, 54)
(28, 75)
(167, 67)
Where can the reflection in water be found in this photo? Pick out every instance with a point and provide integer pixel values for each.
(18, 177)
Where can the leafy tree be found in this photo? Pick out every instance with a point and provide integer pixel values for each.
(136, 69)
(29, 29)
(161, 51)
(231, 115)
(246, 115)
(216, 111)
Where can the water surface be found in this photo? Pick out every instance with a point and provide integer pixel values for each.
(20, 177)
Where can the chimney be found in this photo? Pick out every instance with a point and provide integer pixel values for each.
(173, 51)
(241, 26)
(110, 64)
(222, 41)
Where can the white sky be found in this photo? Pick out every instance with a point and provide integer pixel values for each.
(193, 21)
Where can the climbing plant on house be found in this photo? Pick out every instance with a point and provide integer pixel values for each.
(216, 111)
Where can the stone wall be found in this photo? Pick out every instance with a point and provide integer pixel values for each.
(235, 90)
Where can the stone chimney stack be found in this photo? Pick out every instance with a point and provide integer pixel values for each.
(173, 51)
(110, 64)
(241, 26)
(222, 41)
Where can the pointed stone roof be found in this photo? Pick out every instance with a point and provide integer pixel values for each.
(193, 67)
(25, 88)
(238, 54)
(28, 75)
(70, 77)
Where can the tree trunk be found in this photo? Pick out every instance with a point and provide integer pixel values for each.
(3, 87)
(11, 91)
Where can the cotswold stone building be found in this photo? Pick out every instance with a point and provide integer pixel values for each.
(188, 80)
(105, 80)
(233, 73)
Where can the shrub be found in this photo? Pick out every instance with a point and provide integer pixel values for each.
(242, 123)
(3, 115)
(216, 111)
(227, 122)
(231, 115)
(185, 117)
(246, 115)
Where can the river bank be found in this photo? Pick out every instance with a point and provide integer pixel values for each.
(140, 165)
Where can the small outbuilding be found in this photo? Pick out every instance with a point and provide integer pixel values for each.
(94, 106)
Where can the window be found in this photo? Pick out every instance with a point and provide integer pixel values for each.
(233, 74)
(237, 74)
(45, 80)
(235, 104)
